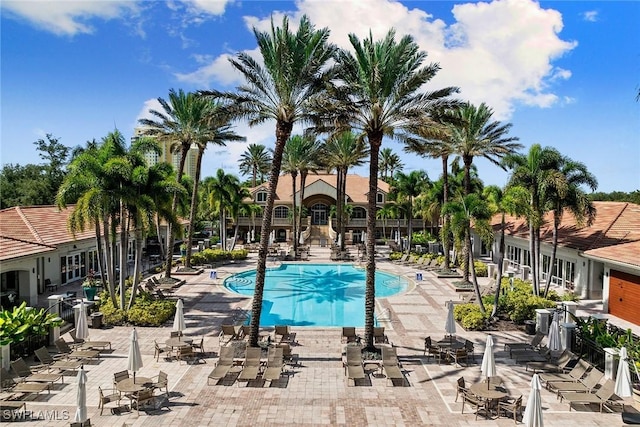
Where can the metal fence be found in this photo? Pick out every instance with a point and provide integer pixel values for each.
(28, 346)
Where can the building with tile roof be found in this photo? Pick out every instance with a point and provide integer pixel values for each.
(600, 261)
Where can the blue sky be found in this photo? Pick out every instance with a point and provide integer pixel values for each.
(565, 74)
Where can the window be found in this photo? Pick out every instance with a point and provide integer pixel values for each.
(281, 212)
(261, 196)
(359, 212)
(379, 198)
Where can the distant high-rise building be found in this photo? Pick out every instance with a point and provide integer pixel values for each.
(169, 157)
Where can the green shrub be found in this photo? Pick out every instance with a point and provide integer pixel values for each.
(209, 256)
(421, 238)
(470, 316)
(481, 269)
(395, 255)
(520, 304)
(146, 311)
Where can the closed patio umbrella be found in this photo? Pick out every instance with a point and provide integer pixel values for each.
(81, 397)
(450, 325)
(532, 416)
(488, 367)
(134, 361)
(554, 333)
(623, 377)
(178, 321)
(82, 327)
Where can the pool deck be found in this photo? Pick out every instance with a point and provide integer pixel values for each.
(315, 393)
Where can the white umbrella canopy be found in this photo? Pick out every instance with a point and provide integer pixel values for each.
(272, 237)
(488, 367)
(134, 361)
(532, 416)
(178, 320)
(554, 333)
(623, 376)
(450, 325)
(81, 412)
(82, 327)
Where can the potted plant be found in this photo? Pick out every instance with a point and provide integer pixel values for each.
(183, 249)
(89, 286)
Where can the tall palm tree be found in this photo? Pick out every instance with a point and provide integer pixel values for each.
(282, 88)
(342, 151)
(255, 161)
(408, 187)
(237, 207)
(380, 95)
(219, 191)
(476, 135)
(308, 163)
(513, 201)
(567, 194)
(467, 210)
(185, 119)
(389, 163)
(291, 159)
(535, 171)
(384, 213)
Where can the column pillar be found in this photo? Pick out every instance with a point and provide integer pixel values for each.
(542, 320)
(567, 331)
(54, 308)
(610, 362)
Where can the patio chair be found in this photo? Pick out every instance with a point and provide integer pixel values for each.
(458, 355)
(187, 353)
(510, 406)
(559, 365)
(63, 347)
(142, 397)
(175, 334)
(354, 366)
(21, 368)
(275, 365)
(461, 386)
(379, 335)
(470, 348)
(251, 365)
(574, 375)
(431, 350)
(349, 334)
(585, 385)
(199, 346)
(285, 334)
(391, 365)
(112, 395)
(158, 350)
(478, 405)
(223, 365)
(50, 362)
(161, 381)
(602, 396)
(231, 331)
(120, 376)
(531, 345)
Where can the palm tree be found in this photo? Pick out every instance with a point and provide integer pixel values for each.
(384, 213)
(389, 163)
(475, 135)
(340, 152)
(567, 194)
(309, 162)
(408, 187)
(282, 88)
(512, 201)
(467, 210)
(255, 161)
(535, 171)
(184, 120)
(237, 207)
(220, 191)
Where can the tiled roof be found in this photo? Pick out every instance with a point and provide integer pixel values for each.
(625, 253)
(27, 230)
(615, 231)
(357, 186)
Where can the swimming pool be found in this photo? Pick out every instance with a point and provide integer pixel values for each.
(314, 294)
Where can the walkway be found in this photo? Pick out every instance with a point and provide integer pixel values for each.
(315, 393)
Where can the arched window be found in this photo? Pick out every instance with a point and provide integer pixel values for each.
(281, 212)
(319, 214)
(359, 212)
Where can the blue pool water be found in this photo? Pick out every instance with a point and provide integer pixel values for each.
(314, 294)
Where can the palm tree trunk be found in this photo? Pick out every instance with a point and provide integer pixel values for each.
(467, 160)
(474, 278)
(494, 311)
(345, 218)
(194, 206)
(136, 269)
(339, 203)
(110, 255)
(375, 141)
(532, 250)
(124, 240)
(445, 199)
(162, 249)
(174, 207)
(554, 250)
(409, 225)
(294, 175)
(303, 183)
(283, 132)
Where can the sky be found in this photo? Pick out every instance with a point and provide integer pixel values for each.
(565, 74)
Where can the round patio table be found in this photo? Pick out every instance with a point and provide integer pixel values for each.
(489, 391)
(129, 386)
(178, 342)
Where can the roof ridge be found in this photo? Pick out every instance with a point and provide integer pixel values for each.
(29, 226)
(28, 241)
(606, 230)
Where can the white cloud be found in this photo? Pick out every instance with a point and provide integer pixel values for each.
(144, 113)
(212, 7)
(590, 16)
(499, 52)
(68, 17)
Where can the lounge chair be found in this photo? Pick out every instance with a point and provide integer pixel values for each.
(10, 407)
(64, 348)
(574, 375)
(543, 354)
(224, 364)
(585, 385)
(21, 368)
(275, 365)
(9, 383)
(87, 345)
(251, 365)
(289, 357)
(354, 366)
(532, 345)
(231, 331)
(558, 366)
(602, 396)
(50, 362)
(349, 334)
(379, 335)
(401, 260)
(391, 365)
(285, 334)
